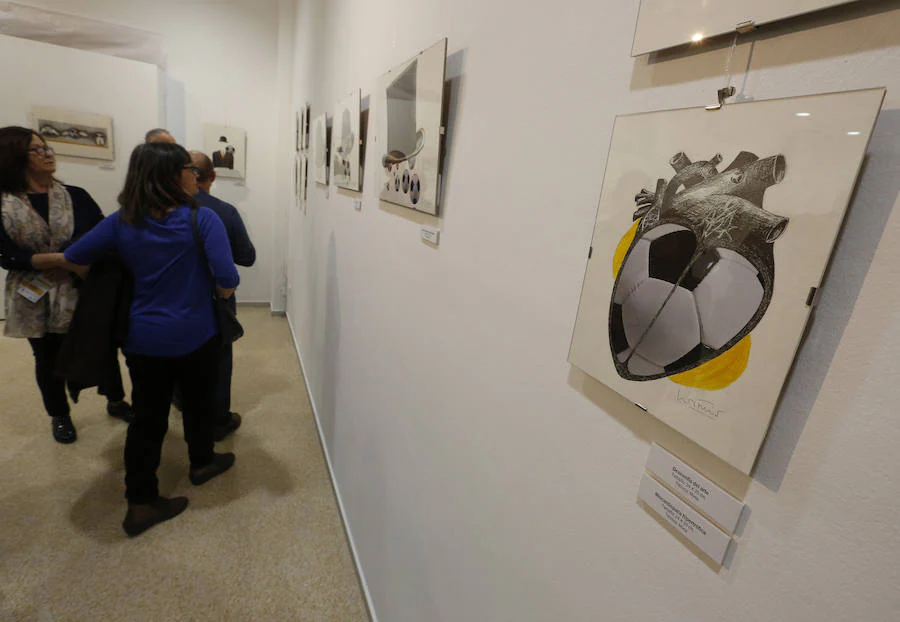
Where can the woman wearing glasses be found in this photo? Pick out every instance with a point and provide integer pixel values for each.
(38, 214)
(173, 334)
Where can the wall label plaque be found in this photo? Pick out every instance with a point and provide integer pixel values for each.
(693, 525)
(695, 488)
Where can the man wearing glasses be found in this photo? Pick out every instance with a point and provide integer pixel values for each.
(244, 254)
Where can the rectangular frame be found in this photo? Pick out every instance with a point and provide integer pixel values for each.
(345, 143)
(410, 109)
(690, 276)
(668, 23)
(301, 137)
(226, 146)
(319, 148)
(75, 134)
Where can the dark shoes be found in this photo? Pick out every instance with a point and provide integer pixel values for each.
(120, 410)
(220, 464)
(140, 518)
(63, 430)
(232, 423)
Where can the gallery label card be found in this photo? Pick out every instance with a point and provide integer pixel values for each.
(695, 527)
(431, 234)
(697, 489)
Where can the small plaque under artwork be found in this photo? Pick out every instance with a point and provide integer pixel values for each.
(693, 525)
(431, 234)
(695, 488)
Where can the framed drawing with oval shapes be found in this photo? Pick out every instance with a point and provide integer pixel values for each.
(410, 106)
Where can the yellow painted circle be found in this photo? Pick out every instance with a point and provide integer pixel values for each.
(719, 372)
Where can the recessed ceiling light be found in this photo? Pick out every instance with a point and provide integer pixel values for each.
(802, 114)
(852, 133)
(697, 37)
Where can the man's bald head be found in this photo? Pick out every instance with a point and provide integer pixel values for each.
(207, 174)
(159, 135)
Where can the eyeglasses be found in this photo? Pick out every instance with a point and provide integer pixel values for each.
(41, 151)
(194, 169)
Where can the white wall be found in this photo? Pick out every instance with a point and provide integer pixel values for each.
(126, 90)
(222, 67)
(484, 479)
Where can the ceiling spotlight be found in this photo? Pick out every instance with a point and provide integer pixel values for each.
(697, 37)
(802, 114)
(852, 133)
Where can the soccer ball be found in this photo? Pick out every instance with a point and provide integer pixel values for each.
(676, 305)
(415, 189)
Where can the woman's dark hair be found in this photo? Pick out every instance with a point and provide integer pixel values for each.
(14, 144)
(153, 183)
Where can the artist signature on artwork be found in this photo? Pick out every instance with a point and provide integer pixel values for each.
(704, 407)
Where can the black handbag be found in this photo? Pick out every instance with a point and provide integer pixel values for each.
(230, 328)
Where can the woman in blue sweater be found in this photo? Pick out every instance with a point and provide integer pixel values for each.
(172, 333)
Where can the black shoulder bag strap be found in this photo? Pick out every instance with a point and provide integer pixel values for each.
(229, 327)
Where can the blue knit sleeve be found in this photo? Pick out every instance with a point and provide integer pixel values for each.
(218, 249)
(94, 244)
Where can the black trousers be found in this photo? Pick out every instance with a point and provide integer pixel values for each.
(223, 386)
(153, 380)
(53, 389)
(226, 368)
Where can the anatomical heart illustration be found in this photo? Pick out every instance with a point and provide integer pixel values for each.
(698, 270)
(713, 233)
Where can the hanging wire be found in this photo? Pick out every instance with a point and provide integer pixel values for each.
(730, 57)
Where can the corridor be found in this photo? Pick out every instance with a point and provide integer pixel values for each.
(263, 542)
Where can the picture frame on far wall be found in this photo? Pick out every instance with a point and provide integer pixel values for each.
(75, 134)
(713, 234)
(345, 143)
(318, 147)
(300, 169)
(226, 146)
(302, 137)
(409, 104)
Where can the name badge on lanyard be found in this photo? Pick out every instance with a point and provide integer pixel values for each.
(35, 288)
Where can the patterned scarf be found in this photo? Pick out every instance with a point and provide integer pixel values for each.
(27, 230)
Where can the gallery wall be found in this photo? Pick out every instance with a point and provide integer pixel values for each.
(127, 91)
(221, 67)
(123, 89)
(482, 477)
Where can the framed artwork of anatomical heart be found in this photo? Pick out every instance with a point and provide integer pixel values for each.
(713, 233)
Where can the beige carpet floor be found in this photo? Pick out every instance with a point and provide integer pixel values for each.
(262, 542)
